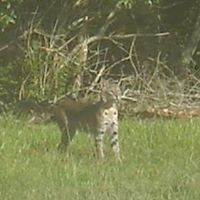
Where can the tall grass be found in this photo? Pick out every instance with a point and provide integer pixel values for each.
(160, 161)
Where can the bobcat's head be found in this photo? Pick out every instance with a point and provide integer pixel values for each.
(110, 91)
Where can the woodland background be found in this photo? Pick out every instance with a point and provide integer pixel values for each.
(52, 48)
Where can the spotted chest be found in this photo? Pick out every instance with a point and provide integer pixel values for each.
(107, 120)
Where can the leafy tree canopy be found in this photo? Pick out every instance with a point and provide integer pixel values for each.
(7, 12)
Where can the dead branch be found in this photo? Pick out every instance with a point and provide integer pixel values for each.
(21, 91)
(99, 37)
(4, 47)
(126, 36)
(97, 78)
(127, 98)
(131, 54)
(116, 63)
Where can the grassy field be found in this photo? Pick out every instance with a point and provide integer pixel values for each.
(161, 160)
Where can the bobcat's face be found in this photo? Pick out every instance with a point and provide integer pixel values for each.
(110, 91)
(114, 93)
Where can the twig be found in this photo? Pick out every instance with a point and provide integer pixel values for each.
(21, 91)
(126, 36)
(194, 96)
(126, 98)
(116, 63)
(171, 5)
(4, 47)
(131, 54)
(97, 78)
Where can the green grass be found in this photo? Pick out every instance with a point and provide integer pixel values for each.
(161, 160)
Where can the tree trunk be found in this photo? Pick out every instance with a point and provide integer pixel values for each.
(192, 44)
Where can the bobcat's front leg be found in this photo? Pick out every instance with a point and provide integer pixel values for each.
(115, 145)
(99, 144)
(114, 136)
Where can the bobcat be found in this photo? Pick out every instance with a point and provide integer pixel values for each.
(98, 118)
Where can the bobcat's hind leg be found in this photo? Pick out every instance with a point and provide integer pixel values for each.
(67, 133)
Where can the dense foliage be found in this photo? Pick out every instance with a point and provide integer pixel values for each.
(51, 48)
(7, 13)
